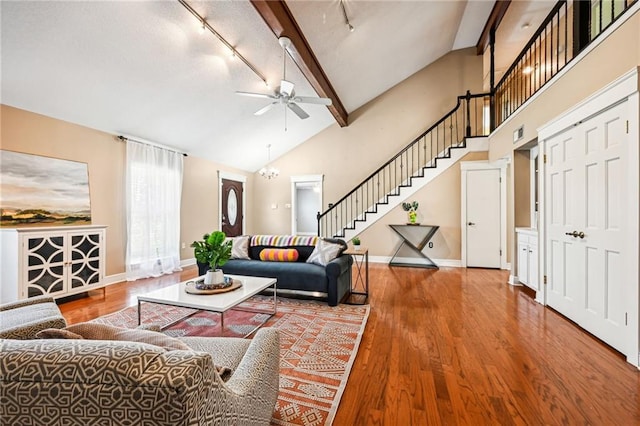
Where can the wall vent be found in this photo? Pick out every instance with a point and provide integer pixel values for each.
(518, 134)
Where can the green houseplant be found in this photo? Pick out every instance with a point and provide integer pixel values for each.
(356, 242)
(214, 251)
(412, 208)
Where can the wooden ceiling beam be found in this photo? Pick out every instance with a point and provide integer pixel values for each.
(497, 13)
(278, 17)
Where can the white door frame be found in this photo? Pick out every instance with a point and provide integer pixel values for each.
(625, 87)
(237, 178)
(294, 180)
(501, 165)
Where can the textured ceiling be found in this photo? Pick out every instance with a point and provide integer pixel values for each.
(143, 69)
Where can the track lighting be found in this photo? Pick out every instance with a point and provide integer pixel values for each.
(207, 26)
(346, 18)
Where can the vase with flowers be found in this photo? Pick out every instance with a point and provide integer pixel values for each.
(412, 209)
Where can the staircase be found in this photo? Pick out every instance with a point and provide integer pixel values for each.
(426, 157)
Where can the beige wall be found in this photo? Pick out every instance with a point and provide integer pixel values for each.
(377, 131)
(522, 185)
(31, 133)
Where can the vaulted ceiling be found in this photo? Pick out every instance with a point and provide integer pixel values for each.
(144, 69)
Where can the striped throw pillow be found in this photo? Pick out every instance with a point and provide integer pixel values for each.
(283, 240)
(279, 255)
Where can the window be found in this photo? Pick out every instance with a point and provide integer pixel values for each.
(154, 189)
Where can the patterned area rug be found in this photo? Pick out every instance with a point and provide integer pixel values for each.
(318, 345)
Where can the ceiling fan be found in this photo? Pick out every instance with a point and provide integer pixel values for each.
(285, 93)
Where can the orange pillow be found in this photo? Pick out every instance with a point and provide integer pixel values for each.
(279, 255)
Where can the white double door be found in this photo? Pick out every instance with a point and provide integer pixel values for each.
(585, 214)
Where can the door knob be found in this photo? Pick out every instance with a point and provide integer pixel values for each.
(471, 224)
(575, 234)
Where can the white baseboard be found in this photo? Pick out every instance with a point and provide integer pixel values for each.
(188, 262)
(446, 263)
(118, 278)
(115, 278)
(513, 280)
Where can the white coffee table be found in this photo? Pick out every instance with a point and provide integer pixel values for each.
(176, 295)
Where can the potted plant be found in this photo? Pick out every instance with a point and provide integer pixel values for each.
(412, 208)
(356, 243)
(214, 251)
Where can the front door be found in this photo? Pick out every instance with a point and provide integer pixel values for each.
(585, 225)
(232, 208)
(483, 218)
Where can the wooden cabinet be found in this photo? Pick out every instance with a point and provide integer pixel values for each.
(528, 257)
(51, 261)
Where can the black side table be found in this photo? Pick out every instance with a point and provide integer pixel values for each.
(416, 238)
(359, 287)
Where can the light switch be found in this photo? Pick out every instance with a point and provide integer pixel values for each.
(287, 206)
(274, 206)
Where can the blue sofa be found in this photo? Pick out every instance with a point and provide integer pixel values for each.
(332, 281)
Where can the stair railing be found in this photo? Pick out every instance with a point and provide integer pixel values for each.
(469, 118)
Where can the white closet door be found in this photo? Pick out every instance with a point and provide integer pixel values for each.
(483, 218)
(585, 170)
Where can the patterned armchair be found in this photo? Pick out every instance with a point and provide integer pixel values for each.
(87, 382)
(24, 318)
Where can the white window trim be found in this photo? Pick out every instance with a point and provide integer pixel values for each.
(302, 178)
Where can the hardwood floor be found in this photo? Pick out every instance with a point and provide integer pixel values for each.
(458, 346)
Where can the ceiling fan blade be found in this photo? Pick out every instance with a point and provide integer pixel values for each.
(309, 100)
(297, 110)
(265, 109)
(256, 95)
(286, 88)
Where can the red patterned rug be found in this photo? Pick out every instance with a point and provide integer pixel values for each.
(318, 345)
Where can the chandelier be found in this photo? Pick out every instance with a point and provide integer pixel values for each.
(269, 172)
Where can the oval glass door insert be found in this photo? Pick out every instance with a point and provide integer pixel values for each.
(232, 207)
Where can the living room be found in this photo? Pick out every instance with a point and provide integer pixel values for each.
(343, 156)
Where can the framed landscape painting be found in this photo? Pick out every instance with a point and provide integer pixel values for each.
(43, 191)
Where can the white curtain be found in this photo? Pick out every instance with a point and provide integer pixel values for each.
(154, 188)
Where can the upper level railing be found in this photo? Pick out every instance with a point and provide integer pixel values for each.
(569, 28)
(469, 118)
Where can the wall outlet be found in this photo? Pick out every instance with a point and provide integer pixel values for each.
(183, 245)
(274, 206)
(287, 206)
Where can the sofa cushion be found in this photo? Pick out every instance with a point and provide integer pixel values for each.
(240, 247)
(279, 255)
(290, 275)
(94, 331)
(24, 321)
(325, 252)
(57, 333)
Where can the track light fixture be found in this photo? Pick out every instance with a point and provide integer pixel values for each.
(346, 18)
(234, 53)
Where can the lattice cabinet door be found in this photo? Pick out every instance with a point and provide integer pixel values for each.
(52, 261)
(44, 264)
(84, 257)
